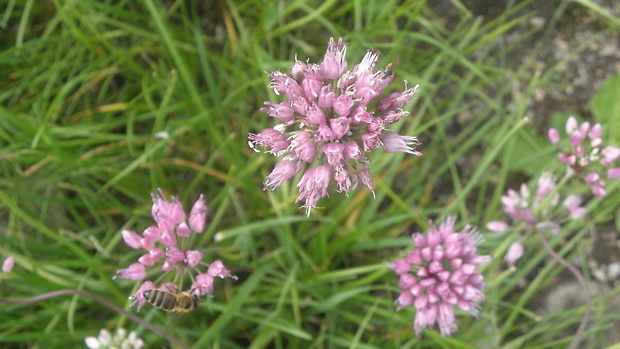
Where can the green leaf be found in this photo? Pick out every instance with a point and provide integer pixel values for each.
(606, 108)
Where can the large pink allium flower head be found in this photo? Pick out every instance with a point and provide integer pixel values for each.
(168, 248)
(441, 273)
(332, 118)
(586, 155)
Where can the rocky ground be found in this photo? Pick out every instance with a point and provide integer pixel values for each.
(578, 43)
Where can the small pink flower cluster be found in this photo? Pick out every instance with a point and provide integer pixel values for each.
(541, 212)
(329, 123)
(171, 230)
(440, 273)
(582, 155)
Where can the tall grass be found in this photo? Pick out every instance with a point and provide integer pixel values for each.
(103, 102)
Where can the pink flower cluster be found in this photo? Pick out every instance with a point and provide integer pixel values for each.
(167, 241)
(441, 273)
(541, 212)
(331, 119)
(582, 156)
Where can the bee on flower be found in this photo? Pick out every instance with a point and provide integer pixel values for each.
(167, 245)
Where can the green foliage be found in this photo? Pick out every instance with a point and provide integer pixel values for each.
(606, 108)
(103, 102)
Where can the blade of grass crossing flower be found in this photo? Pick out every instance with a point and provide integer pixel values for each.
(241, 298)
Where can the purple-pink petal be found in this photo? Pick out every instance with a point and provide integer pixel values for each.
(198, 215)
(514, 253)
(554, 136)
(217, 269)
(136, 271)
(131, 238)
(8, 264)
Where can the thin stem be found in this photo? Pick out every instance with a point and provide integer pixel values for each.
(582, 282)
(106, 303)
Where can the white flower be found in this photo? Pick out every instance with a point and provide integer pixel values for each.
(119, 341)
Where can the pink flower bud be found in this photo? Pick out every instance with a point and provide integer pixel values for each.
(400, 266)
(135, 271)
(571, 125)
(203, 284)
(584, 129)
(343, 104)
(497, 226)
(167, 266)
(592, 177)
(326, 97)
(610, 154)
(283, 171)
(613, 173)
(198, 215)
(168, 239)
(183, 230)
(138, 297)
(595, 132)
(404, 299)
(554, 136)
(352, 150)
(8, 264)
(598, 190)
(270, 138)
(546, 185)
(393, 142)
(217, 269)
(305, 151)
(147, 260)
(324, 134)
(514, 253)
(334, 64)
(334, 152)
(312, 84)
(283, 111)
(573, 205)
(298, 69)
(315, 115)
(193, 258)
(175, 255)
(131, 238)
(340, 126)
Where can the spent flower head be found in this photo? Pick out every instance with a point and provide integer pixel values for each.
(167, 244)
(120, 340)
(441, 273)
(586, 155)
(332, 117)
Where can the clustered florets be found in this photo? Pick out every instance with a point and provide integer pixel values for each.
(120, 340)
(582, 157)
(541, 212)
(168, 239)
(330, 121)
(441, 273)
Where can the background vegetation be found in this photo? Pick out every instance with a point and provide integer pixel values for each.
(103, 102)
